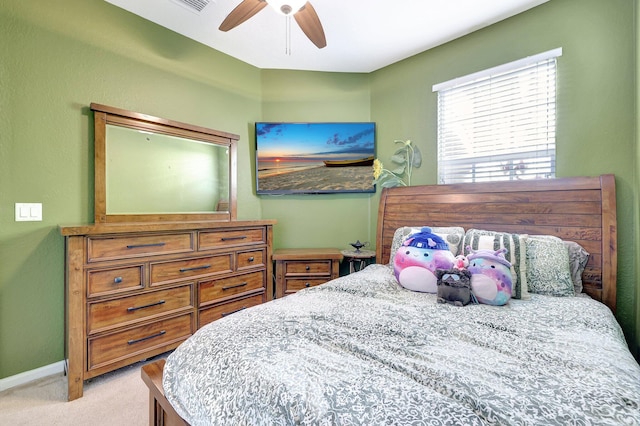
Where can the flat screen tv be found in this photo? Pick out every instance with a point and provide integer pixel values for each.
(314, 158)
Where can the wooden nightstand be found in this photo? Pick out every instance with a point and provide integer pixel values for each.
(358, 259)
(301, 268)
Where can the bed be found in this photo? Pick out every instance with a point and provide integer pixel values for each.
(363, 350)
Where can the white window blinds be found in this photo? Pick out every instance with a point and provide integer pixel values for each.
(499, 124)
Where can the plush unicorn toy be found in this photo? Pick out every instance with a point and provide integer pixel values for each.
(491, 280)
(418, 258)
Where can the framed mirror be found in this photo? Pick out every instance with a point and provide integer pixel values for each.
(150, 169)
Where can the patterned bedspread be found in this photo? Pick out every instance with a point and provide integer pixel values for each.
(360, 350)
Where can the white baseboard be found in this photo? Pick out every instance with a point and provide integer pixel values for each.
(30, 376)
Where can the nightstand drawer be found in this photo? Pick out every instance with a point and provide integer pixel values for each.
(117, 346)
(126, 310)
(220, 311)
(322, 267)
(212, 290)
(166, 272)
(108, 248)
(110, 281)
(230, 238)
(293, 285)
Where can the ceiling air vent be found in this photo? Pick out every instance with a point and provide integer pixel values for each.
(195, 5)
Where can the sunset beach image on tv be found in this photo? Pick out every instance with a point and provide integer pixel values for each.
(316, 158)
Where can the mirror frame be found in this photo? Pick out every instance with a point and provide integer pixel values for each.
(104, 115)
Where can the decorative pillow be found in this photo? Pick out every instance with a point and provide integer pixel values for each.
(418, 258)
(453, 235)
(548, 266)
(479, 239)
(578, 258)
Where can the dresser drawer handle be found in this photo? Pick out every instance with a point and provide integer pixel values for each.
(117, 280)
(307, 285)
(307, 268)
(142, 339)
(241, 237)
(195, 268)
(224, 314)
(234, 286)
(135, 308)
(146, 245)
(251, 259)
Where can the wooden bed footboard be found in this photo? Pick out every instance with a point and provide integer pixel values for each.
(161, 413)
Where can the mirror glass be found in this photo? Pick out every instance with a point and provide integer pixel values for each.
(150, 169)
(156, 173)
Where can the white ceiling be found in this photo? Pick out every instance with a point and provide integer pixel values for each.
(362, 35)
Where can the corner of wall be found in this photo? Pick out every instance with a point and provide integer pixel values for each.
(636, 208)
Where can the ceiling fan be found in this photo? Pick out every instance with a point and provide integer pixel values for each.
(302, 11)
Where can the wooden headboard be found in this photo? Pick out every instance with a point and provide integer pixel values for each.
(580, 209)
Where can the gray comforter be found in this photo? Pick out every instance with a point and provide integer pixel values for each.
(361, 350)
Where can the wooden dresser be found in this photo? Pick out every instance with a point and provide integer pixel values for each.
(136, 290)
(301, 268)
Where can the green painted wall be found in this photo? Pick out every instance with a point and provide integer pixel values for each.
(596, 129)
(317, 220)
(636, 212)
(57, 57)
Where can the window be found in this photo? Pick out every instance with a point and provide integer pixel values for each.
(499, 124)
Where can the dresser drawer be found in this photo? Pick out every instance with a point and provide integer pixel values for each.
(165, 272)
(293, 285)
(126, 310)
(212, 290)
(219, 311)
(111, 281)
(117, 346)
(208, 240)
(318, 267)
(108, 248)
(250, 259)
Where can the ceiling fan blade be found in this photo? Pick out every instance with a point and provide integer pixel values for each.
(241, 13)
(309, 23)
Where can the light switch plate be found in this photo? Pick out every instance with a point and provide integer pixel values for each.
(28, 212)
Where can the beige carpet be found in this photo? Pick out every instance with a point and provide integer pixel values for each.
(116, 398)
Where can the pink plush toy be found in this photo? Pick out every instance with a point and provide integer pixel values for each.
(418, 258)
(461, 262)
(491, 280)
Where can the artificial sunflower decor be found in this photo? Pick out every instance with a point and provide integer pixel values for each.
(406, 157)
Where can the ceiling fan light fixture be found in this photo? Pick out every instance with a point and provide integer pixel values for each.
(287, 7)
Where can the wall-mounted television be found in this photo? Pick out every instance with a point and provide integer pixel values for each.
(314, 158)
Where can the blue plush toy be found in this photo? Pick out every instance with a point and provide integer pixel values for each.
(416, 261)
(491, 280)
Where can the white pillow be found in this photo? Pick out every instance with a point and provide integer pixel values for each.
(453, 235)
